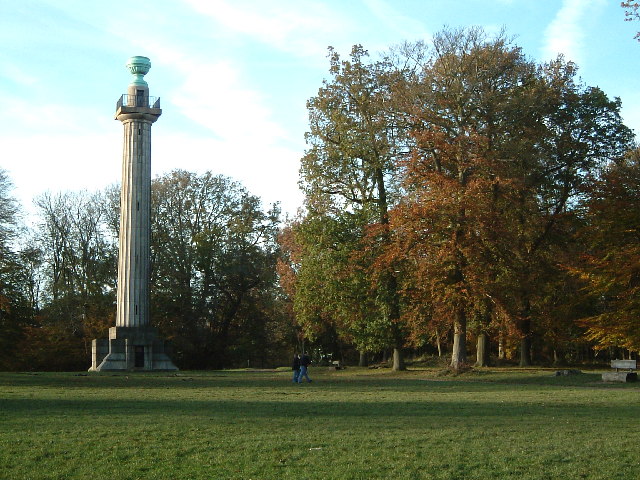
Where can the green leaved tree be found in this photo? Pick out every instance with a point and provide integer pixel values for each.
(349, 177)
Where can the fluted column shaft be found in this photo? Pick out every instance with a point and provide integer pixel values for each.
(135, 223)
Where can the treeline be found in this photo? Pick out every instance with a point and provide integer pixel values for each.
(459, 199)
(213, 284)
(461, 192)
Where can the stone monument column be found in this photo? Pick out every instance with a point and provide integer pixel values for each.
(133, 343)
(136, 116)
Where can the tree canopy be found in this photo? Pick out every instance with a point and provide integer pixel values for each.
(484, 154)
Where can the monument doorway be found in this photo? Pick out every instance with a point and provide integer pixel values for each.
(138, 356)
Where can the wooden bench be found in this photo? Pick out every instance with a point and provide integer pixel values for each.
(624, 371)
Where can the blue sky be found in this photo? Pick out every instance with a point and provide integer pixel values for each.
(234, 76)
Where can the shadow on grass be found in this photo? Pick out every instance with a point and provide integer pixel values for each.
(413, 382)
(239, 408)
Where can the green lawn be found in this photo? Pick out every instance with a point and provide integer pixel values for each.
(352, 424)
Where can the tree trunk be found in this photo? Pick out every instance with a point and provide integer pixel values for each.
(482, 351)
(398, 354)
(525, 331)
(364, 361)
(459, 354)
(559, 358)
(398, 360)
(391, 281)
(501, 344)
(438, 344)
(525, 351)
(482, 344)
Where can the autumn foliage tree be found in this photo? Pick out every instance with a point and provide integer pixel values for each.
(473, 110)
(610, 265)
(583, 131)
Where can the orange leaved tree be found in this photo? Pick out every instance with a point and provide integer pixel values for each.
(611, 266)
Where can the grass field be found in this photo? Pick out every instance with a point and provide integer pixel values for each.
(351, 424)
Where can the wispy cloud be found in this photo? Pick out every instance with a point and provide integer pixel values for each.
(227, 107)
(53, 118)
(396, 24)
(16, 75)
(268, 171)
(566, 33)
(299, 28)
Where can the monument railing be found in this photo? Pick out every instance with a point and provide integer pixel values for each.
(145, 101)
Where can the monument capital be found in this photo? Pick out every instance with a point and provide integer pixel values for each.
(139, 66)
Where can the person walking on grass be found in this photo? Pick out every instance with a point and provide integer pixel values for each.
(305, 360)
(296, 368)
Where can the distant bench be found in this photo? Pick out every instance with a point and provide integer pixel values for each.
(336, 365)
(624, 371)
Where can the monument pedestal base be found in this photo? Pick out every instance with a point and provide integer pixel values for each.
(130, 349)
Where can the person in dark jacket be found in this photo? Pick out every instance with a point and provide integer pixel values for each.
(296, 368)
(305, 361)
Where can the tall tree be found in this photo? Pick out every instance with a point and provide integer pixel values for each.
(472, 105)
(583, 130)
(610, 267)
(80, 251)
(213, 266)
(78, 256)
(502, 147)
(15, 314)
(350, 165)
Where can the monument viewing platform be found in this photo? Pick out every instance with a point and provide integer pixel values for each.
(138, 106)
(144, 101)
